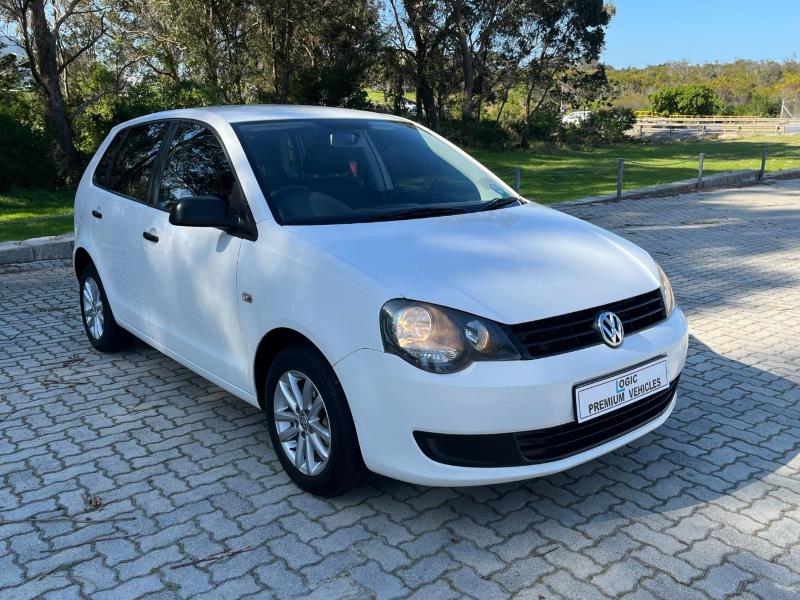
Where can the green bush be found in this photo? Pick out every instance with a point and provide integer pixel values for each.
(475, 134)
(759, 105)
(26, 157)
(543, 126)
(693, 99)
(603, 127)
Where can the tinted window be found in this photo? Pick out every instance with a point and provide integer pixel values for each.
(345, 171)
(101, 172)
(196, 166)
(130, 174)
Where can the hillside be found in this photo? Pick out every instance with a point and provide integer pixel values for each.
(745, 87)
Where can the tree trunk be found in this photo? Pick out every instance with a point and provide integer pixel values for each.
(526, 130)
(47, 66)
(283, 54)
(468, 72)
(426, 99)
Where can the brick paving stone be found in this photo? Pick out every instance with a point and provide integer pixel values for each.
(724, 580)
(703, 507)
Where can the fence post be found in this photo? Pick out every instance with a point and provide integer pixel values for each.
(700, 170)
(620, 168)
(517, 177)
(763, 164)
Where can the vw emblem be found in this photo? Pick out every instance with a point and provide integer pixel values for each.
(609, 325)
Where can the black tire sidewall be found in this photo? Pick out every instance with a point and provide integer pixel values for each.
(345, 467)
(113, 337)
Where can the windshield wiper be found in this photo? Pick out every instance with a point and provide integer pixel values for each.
(416, 213)
(498, 203)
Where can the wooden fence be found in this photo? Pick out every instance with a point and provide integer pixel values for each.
(718, 124)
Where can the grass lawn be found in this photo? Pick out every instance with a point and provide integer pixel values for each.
(28, 213)
(550, 175)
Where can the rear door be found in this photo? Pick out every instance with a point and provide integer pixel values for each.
(192, 270)
(122, 196)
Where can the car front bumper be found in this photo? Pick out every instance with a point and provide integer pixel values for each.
(391, 400)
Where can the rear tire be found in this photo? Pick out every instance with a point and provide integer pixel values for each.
(98, 320)
(310, 424)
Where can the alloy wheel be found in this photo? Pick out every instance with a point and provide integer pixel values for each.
(93, 312)
(302, 424)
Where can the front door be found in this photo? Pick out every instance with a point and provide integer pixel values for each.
(192, 270)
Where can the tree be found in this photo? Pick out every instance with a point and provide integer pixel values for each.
(241, 51)
(665, 101)
(697, 99)
(558, 38)
(421, 30)
(495, 45)
(338, 45)
(479, 67)
(485, 35)
(54, 35)
(9, 71)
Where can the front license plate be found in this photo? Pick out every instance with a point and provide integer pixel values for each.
(602, 396)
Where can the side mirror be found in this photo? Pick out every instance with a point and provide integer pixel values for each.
(201, 211)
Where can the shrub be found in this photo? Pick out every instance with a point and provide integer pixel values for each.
(760, 105)
(26, 157)
(475, 133)
(693, 99)
(607, 126)
(543, 126)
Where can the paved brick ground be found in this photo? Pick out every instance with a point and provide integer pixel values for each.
(707, 506)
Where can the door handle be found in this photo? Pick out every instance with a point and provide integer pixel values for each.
(150, 237)
(97, 214)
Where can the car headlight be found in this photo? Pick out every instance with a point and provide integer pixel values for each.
(666, 292)
(439, 339)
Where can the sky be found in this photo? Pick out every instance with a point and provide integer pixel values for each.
(646, 32)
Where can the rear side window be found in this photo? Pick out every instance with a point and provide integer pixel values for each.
(101, 172)
(196, 165)
(130, 173)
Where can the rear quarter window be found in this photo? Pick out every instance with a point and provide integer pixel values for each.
(101, 171)
(133, 164)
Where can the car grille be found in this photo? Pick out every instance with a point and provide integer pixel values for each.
(575, 330)
(542, 445)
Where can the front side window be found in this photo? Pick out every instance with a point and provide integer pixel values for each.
(348, 171)
(196, 165)
(130, 173)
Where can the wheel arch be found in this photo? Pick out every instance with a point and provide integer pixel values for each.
(81, 259)
(268, 348)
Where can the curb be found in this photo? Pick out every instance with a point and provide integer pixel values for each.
(720, 180)
(43, 248)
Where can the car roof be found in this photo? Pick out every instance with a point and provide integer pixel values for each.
(263, 112)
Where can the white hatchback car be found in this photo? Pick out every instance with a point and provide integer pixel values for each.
(388, 302)
(576, 117)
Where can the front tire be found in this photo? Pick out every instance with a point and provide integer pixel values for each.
(310, 423)
(98, 320)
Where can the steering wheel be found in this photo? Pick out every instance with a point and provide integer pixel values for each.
(280, 194)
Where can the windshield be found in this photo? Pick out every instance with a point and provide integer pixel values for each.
(349, 171)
